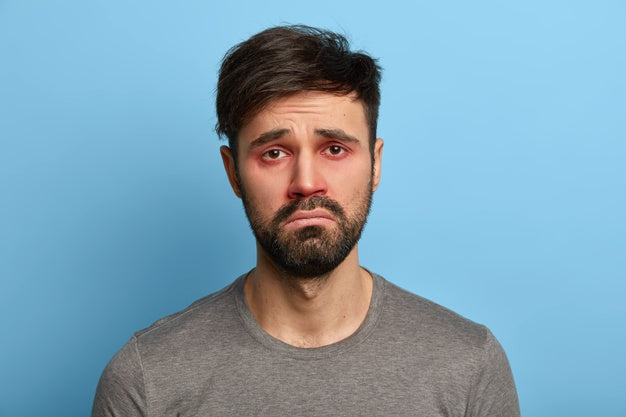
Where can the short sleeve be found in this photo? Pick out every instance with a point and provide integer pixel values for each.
(121, 390)
(494, 393)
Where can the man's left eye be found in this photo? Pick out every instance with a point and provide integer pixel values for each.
(274, 154)
(334, 150)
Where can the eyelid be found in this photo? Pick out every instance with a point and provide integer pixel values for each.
(344, 149)
(265, 153)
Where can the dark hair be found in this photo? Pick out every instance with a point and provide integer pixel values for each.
(285, 60)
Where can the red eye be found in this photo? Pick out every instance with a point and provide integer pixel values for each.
(334, 150)
(274, 154)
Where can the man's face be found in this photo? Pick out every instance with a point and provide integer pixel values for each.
(306, 179)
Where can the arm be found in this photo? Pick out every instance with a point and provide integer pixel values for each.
(494, 392)
(121, 390)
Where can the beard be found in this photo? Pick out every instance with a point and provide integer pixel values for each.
(310, 251)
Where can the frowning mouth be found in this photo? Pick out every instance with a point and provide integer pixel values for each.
(303, 218)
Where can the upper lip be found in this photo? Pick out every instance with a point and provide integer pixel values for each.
(310, 214)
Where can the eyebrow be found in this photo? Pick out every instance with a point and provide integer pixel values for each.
(338, 134)
(274, 134)
(267, 137)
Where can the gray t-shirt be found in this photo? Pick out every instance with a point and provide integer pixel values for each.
(410, 357)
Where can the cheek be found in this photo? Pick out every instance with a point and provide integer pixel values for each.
(349, 181)
(263, 191)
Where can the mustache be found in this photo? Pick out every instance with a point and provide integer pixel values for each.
(311, 203)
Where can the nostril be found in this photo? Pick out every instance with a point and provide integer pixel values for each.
(304, 192)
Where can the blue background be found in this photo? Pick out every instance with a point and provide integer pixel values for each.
(503, 190)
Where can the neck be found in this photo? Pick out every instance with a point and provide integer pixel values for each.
(309, 312)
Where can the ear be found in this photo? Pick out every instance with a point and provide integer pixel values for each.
(378, 158)
(231, 169)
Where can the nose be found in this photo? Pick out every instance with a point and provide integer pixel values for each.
(307, 178)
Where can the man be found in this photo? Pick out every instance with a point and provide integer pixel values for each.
(307, 332)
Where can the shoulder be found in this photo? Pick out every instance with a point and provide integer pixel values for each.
(121, 390)
(178, 329)
(159, 353)
(434, 340)
(416, 310)
(417, 321)
(206, 313)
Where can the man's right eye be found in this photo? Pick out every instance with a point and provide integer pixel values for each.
(274, 154)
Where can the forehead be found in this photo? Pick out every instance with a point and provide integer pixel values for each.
(309, 110)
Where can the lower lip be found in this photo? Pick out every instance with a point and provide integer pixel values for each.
(311, 221)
